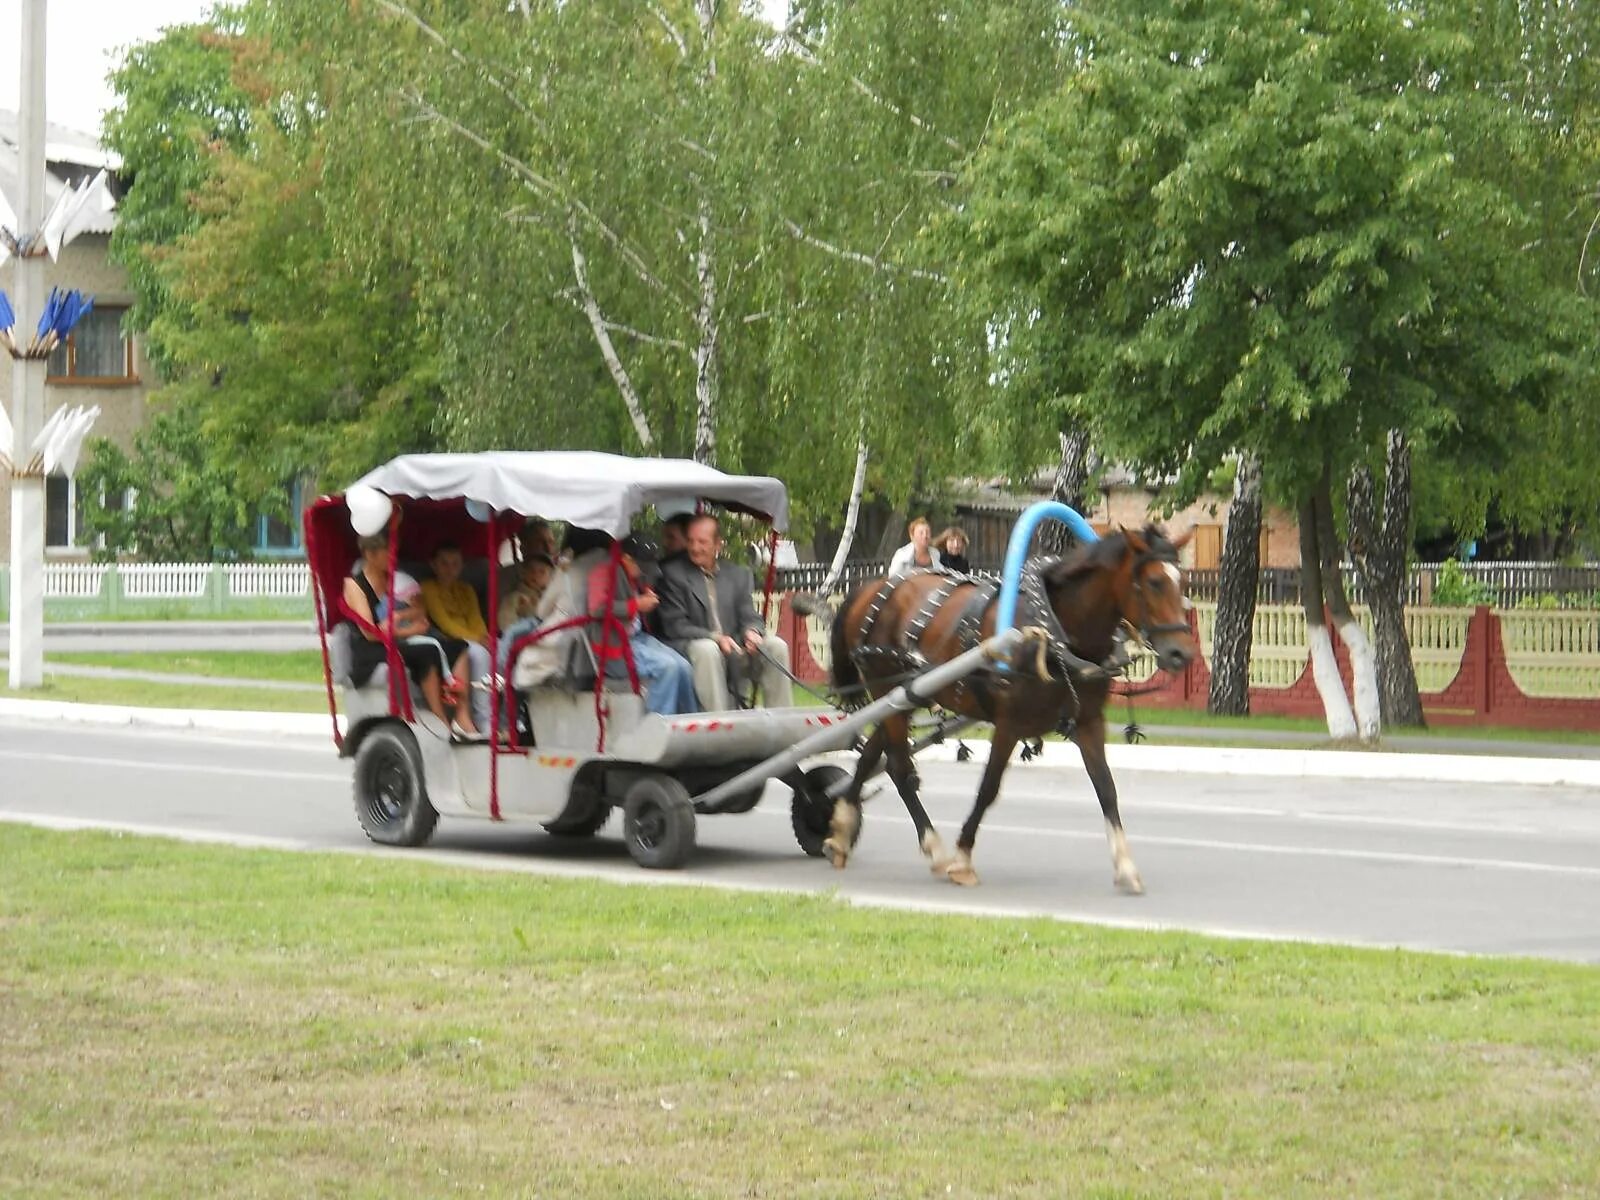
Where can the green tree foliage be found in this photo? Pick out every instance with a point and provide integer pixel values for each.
(281, 353)
(186, 502)
(798, 167)
(178, 111)
(1251, 226)
(1538, 60)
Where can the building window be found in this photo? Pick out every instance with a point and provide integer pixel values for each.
(97, 351)
(276, 537)
(63, 513)
(60, 512)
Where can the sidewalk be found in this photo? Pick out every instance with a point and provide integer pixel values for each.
(1409, 743)
(1238, 753)
(1155, 735)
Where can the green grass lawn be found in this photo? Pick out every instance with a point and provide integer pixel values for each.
(296, 666)
(144, 694)
(184, 1021)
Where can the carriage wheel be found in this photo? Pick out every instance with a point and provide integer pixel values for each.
(390, 796)
(811, 811)
(658, 822)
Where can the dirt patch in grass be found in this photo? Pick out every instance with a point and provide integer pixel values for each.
(181, 1021)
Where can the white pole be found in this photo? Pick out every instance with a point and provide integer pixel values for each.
(26, 619)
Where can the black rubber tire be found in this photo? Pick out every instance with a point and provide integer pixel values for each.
(391, 796)
(811, 812)
(585, 825)
(658, 822)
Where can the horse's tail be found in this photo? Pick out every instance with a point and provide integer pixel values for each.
(845, 674)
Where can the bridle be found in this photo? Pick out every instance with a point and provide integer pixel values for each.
(1148, 632)
(1055, 645)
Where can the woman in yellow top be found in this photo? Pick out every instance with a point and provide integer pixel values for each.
(453, 609)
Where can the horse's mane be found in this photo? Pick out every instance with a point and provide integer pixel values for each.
(1105, 553)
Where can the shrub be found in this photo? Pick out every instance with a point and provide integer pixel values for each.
(1454, 588)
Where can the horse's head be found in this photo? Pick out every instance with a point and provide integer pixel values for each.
(1133, 578)
(1149, 587)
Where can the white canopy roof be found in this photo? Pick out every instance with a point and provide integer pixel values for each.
(580, 487)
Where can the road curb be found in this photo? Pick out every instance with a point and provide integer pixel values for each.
(1191, 760)
(199, 719)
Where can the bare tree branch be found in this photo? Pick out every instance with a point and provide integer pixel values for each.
(866, 260)
(651, 339)
(400, 10)
(619, 373)
(672, 30)
(809, 55)
(551, 188)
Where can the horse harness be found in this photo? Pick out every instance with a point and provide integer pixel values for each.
(1057, 660)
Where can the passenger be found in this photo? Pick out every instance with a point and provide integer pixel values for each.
(535, 538)
(582, 550)
(916, 553)
(428, 659)
(675, 536)
(452, 606)
(952, 548)
(665, 674)
(708, 617)
(519, 611)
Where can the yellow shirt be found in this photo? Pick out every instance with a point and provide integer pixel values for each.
(453, 607)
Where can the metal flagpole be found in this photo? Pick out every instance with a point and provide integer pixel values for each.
(26, 620)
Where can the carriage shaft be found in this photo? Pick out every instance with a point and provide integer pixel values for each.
(913, 694)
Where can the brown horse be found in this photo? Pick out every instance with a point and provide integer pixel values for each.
(892, 627)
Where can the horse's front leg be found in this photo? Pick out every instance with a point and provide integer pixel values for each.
(960, 870)
(1091, 739)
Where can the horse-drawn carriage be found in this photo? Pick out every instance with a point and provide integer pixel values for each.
(569, 749)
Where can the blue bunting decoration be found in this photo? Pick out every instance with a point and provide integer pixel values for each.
(7, 320)
(62, 311)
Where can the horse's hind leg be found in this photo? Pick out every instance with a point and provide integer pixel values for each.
(1091, 739)
(903, 771)
(845, 825)
(960, 870)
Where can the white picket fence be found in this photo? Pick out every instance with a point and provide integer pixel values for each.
(76, 581)
(164, 581)
(285, 580)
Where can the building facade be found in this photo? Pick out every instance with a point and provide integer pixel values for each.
(100, 364)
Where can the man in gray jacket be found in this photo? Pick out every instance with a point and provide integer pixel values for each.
(709, 617)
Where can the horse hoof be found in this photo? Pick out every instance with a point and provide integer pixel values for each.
(961, 874)
(1129, 883)
(837, 855)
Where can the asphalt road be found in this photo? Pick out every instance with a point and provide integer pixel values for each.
(1481, 869)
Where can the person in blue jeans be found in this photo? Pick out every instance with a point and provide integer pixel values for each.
(666, 675)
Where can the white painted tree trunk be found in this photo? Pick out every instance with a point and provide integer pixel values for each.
(1364, 677)
(852, 514)
(1324, 666)
(1325, 673)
